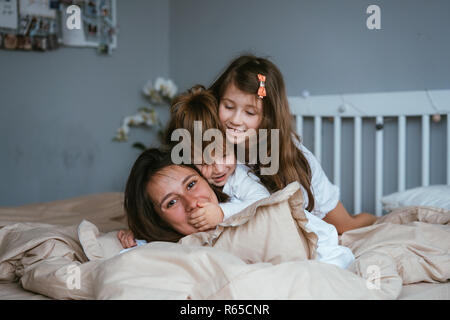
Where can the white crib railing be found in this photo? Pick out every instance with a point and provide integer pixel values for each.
(375, 105)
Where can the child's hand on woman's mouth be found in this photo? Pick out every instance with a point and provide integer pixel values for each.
(207, 216)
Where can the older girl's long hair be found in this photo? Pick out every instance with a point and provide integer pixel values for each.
(293, 165)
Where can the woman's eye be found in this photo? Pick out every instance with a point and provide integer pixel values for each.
(191, 184)
(171, 203)
(228, 107)
(250, 113)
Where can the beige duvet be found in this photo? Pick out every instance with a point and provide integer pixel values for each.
(68, 250)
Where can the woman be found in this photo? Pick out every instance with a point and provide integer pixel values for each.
(161, 199)
(161, 196)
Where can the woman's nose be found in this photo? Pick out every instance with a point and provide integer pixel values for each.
(190, 203)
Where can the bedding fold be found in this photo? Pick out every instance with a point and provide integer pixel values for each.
(272, 230)
(265, 252)
(164, 270)
(416, 239)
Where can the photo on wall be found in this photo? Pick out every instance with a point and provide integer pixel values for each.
(44, 25)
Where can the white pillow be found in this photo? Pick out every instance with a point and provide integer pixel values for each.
(431, 196)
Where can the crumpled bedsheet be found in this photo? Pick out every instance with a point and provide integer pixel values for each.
(81, 260)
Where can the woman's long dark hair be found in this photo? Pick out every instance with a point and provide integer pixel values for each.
(143, 220)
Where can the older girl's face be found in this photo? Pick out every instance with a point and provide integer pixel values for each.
(239, 112)
(175, 192)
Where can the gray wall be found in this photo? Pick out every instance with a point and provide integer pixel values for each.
(60, 110)
(324, 46)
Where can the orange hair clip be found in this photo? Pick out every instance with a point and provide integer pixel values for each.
(262, 86)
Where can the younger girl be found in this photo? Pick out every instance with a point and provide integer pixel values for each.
(252, 95)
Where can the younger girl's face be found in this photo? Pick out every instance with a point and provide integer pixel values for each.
(220, 170)
(239, 111)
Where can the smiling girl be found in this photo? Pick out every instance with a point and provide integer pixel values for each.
(244, 107)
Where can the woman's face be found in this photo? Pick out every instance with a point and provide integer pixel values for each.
(175, 192)
(239, 112)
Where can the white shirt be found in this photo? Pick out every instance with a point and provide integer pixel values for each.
(243, 188)
(328, 248)
(326, 195)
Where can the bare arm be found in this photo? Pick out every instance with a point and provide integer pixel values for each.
(343, 221)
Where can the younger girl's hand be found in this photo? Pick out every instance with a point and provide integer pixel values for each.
(207, 216)
(126, 238)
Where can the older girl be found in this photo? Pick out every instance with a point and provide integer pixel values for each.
(252, 96)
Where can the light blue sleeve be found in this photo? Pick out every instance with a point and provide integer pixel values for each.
(138, 243)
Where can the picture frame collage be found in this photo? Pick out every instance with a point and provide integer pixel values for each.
(40, 25)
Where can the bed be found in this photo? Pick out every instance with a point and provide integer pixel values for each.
(48, 236)
(409, 245)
